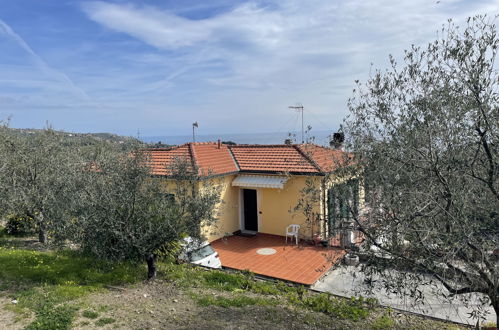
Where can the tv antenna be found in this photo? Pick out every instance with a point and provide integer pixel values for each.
(299, 107)
(194, 125)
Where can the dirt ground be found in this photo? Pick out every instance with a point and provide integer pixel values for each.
(160, 305)
(8, 319)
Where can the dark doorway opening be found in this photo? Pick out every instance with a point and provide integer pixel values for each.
(250, 210)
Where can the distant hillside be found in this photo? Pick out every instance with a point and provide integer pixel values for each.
(84, 137)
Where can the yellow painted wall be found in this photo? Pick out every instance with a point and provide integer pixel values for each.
(275, 206)
(227, 210)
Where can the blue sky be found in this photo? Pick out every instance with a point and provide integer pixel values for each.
(233, 66)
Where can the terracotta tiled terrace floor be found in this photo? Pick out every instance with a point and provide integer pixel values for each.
(299, 264)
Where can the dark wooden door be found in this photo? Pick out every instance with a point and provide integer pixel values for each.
(250, 210)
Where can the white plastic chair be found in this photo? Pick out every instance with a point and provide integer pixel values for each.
(292, 230)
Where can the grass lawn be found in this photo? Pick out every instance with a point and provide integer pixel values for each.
(62, 290)
(46, 283)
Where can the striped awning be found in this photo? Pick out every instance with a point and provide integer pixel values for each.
(260, 181)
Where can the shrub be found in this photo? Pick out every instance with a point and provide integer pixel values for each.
(236, 301)
(90, 314)
(351, 309)
(226, 281)
(20, 225)
(104, 321)
(53, 318)
(385, 321)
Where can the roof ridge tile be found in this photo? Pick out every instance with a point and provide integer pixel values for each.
(193, 158)
(234, 158)
(307, 157)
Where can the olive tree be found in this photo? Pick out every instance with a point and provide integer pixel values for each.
(426, 136)
(37, 176)
(127, 214)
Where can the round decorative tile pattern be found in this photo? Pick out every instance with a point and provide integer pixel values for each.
(266, 251)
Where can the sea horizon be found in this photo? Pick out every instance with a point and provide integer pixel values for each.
(318, 137)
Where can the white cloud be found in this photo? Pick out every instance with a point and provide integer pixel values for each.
(259, 42)
(265, 57)
(236, 68)
(165, 30)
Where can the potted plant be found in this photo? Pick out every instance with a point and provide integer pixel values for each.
(317, 239)
(351, 259)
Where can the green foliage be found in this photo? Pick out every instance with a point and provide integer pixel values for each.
(99, 196)
(46, 281)
(425, 133)
(270, 288)
(186, 275)
(236, 301)
(239, 282)
(17, 224)
(63, 268)
(352, 309)
(183, 275)
(123, 213)
(489, 324)
(308, 205)
(385, 321)
(226, 281)
(245, 281)
(38, 177)
(104, 321)
(90, 314)
(53, 318)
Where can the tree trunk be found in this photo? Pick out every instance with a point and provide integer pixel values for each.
(151, 266)
(42, 234)
(495, 304)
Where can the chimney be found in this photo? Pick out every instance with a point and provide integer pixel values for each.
(337, 141)
(219, 144)
(288, 141)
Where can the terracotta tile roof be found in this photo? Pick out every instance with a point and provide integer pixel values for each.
(161, 159)
(326, 159)
(209, 159)
(205, 156)
(272, 158)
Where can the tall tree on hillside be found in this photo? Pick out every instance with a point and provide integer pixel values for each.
(426, 135)
(36, 176)
(126, 214)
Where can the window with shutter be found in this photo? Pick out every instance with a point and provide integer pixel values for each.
(343, 204)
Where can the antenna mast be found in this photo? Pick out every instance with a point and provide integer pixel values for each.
(195, 124)
(299, 107)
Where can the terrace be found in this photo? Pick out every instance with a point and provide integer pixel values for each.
(270, 256)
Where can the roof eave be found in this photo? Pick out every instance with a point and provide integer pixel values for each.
(283, 172)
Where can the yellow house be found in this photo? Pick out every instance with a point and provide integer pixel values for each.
(261, 186)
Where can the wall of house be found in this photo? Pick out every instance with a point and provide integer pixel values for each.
(227, 210)
(275, 207)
